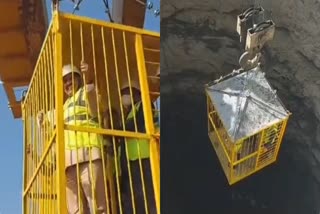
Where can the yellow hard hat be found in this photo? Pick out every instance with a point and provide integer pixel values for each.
(133, 83)
(67, 69)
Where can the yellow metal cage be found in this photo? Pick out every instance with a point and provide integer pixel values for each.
(246, 123)
(118, 55)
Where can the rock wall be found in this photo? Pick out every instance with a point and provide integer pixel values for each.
(199, 43)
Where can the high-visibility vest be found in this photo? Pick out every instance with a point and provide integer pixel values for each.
(76, 113)
(135, 145)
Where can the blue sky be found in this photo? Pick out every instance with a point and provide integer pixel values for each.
(11, 130)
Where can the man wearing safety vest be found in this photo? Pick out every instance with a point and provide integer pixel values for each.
(82, 149)
(137, 149)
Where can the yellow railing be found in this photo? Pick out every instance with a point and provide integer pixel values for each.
(55, 138)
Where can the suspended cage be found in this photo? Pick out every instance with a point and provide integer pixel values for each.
(246, 123)
(117, 55)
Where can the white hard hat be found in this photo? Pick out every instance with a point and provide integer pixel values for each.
(133, 83)
(158, 71)
(67, 69)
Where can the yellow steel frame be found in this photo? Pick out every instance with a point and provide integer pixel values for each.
(137, 31)
(231, 159)
(58, 134)
(221, 142)
(154, 155)
(61, 178)
(257, 153)
(24, 167)
(28, 183)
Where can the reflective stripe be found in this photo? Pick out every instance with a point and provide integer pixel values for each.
(76, 113)
(75, 110)
(136, 145)
(81, 103)
(134, 111)
(78, 107)
(78, 101)
(69, 102)
(81, 118)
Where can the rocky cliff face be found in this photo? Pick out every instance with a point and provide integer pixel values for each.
(199, 43)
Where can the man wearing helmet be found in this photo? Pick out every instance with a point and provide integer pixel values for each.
(83, 149)
(83, 155)
(137, 149)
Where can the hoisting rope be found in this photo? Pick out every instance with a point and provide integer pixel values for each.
(55, 6)
(76, 6)
(106, 4)
(233, 73)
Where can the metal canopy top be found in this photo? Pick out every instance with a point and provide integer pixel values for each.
(246, 103)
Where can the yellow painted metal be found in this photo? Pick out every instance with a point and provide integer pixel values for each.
(118, 133)
(38, 185)
(125, 28)
(128, 54)
(24, 207)
(154, 157)
(60, 148)
(281, 136)
(248, 155)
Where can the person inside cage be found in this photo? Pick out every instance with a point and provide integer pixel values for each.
(83, 150)
(138, 150)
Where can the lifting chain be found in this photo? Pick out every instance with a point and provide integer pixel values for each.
(76, 6)
(77, 3)
(156, 11)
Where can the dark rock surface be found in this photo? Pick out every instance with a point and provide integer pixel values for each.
(199, 43)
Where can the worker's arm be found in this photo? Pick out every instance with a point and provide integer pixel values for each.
(92, 99)
(90, 89)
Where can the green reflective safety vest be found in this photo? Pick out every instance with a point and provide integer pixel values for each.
(76, 113)
(136, 145)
